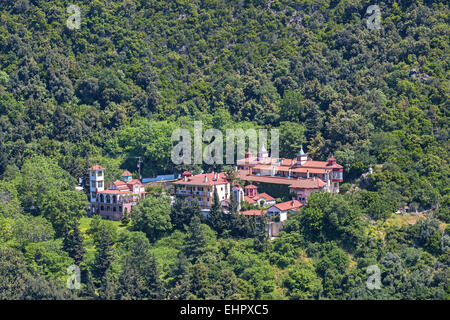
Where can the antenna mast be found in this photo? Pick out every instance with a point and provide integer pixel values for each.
(139, 166)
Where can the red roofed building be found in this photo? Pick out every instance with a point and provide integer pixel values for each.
(96, 167)
(251, 190)
(302, 174)
(201, 187)
(283, 208)
(120, 197)
(252, 196)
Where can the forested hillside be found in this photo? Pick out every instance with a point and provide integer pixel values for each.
(135, 70)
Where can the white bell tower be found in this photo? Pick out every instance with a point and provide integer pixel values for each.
(96, 183)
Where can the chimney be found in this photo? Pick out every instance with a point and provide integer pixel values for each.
(307, 174)
(314, 178)
(184, 178)
(206, 179)
(250, 171)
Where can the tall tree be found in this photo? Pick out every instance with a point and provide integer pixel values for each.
(196, 240)
(140, 278)
(103, 256)
(217, 219)
(182, 213)
(73, 244)
(181, 279)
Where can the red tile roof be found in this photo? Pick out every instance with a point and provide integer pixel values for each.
(249, 200)
(134, 181)
(263, 195)
(271, 167)
(250, 186)
(267, 161)
(126, 173)
(310, 170)
(285, 163)
(122, 187)
(310, 183)
(254, 212)
(320, 165)
(288, 205)
(96, 167)
(199, 179)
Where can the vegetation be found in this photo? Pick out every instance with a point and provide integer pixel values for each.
(116, 88)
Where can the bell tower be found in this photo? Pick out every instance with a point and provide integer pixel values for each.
(96, 183)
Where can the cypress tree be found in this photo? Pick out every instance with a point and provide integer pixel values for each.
(196, 240)
(88, 288)
(73, 244)
(140, 278)
(125, 219)
(217, 219)
(181, 280)
(103, 257)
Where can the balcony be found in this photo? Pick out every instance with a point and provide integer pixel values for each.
(194, 193)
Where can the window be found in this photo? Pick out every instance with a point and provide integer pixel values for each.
(93, 184)
(100, 173)
(100, 184)
(337, 175)
(93, 173)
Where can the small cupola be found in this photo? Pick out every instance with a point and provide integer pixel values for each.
(127, 176)
(263, 153)
(331, 161)
(302, 157)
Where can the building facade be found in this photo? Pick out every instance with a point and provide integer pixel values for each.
(302, 174)
(200, 187)
(120, 197)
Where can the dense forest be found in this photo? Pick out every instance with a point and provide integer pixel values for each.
(135, 70)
